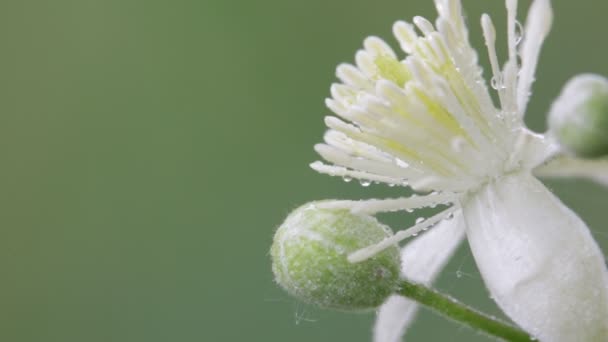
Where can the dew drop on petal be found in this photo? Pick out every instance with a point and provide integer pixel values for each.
(419, 220)
(347, 179)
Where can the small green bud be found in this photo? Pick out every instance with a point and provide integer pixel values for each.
(309, 259)
(579, 117)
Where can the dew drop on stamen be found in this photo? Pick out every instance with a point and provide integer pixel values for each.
(364, 183)
(496, 82)
(519, 32)
(457, 144)
(401, 163)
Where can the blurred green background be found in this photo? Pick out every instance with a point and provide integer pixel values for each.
(150, 148)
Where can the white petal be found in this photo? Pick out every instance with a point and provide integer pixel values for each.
(422, 259)
(562, 167)
(538, 260)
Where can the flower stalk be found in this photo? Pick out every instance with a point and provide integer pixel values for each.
(461, 313)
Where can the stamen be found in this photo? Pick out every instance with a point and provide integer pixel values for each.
(368, 252)
(511, 28)
(538, 24)
(341, 141)
(374, 206)
(424, 25)
(445, 184)
(378, 47)
(346, 173)
(342, 93)
(339, 157)
(337, 107)
(406, 35)
(352, 76)
(511, 68)
(365, 63)
(489, 35)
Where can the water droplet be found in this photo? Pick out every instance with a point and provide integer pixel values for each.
(414, 234)
(496, 82)
(458, 144)
(519, 32)
(391, 185)
(409, 210)
(458, 274)
(364, 183)
(347, 179)
(401, 163)
(419, 220)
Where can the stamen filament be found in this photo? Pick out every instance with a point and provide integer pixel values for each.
(489, 35)
(344, 172)
(368, 252)
(374, 206)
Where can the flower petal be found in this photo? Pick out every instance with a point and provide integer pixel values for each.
(539, 260)
(421, 259)
(564, 166)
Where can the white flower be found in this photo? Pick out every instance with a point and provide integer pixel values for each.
(429, 122)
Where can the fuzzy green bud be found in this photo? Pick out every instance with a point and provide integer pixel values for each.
(579, 117)
(309, 259)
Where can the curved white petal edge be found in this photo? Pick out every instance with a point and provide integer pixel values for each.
(421, 260)
(564, 166)
(538, 260)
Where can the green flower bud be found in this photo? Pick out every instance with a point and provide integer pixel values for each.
(309, 259)
(579, 117)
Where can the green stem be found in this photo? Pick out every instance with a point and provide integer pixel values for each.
(453, 309)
